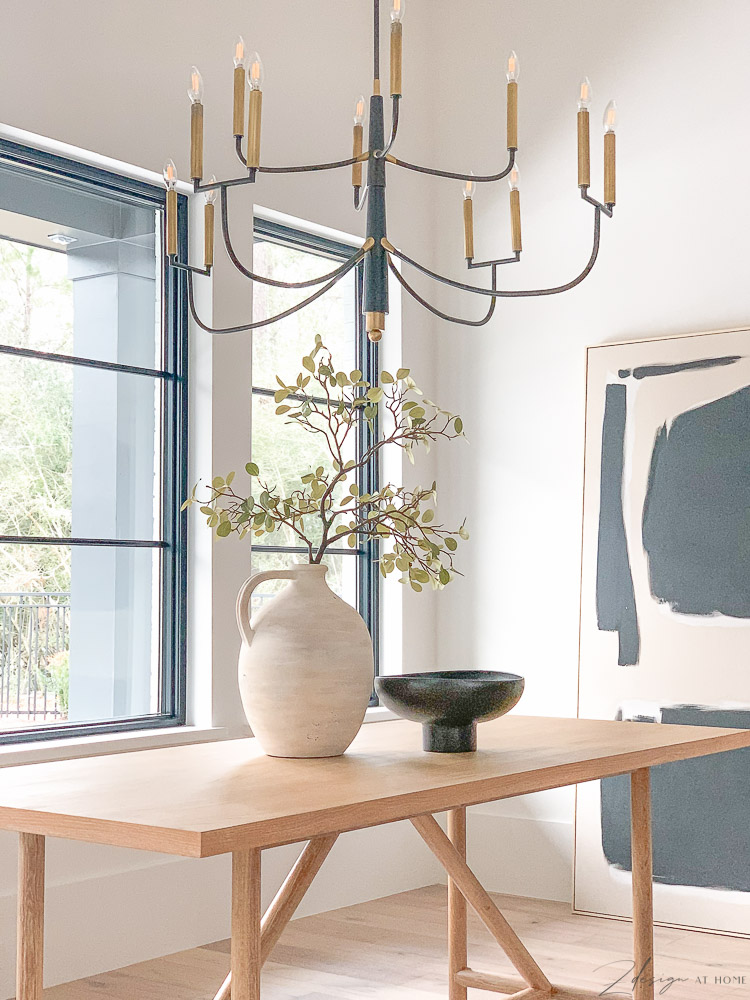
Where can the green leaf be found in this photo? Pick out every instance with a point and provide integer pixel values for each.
(386, 378)
(280, 395)
(252, 469)
(224, 529)
(230, 477)
(417, 413)
(308, 363)
(459, 425)
(187, 503)
(208, 511)
(352, 541)
(402, 373)
(356, 375)
(428, 516)
(308, 477)
(281, 410)
(451, 543)
(217, 482)
(375, 394)
(445, 576)
(416, 586)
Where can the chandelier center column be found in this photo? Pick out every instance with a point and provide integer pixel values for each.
(376, 262)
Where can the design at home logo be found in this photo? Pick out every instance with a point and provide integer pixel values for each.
(627, 980)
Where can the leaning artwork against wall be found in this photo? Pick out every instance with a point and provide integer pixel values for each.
(665, 615)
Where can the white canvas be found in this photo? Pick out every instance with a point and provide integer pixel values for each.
(693, 645)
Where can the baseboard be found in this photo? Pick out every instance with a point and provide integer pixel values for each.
(112, 920)
(521, 856)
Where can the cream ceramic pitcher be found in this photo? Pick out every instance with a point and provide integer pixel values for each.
(305, 666)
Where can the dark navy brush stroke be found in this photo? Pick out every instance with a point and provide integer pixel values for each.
(649, 371)
(696, 514)
(615, 597)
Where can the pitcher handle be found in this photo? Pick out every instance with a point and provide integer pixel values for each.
(246, 590)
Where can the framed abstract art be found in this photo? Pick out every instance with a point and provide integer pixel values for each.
(665, 615)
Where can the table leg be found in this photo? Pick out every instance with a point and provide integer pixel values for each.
(30, 953)
(246, 915)
(643, 890)
(457, 919)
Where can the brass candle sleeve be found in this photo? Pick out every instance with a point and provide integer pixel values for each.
(208, 235)
(584, 153)
(515, 220)
(397, 56)
(254, 114)
(512, 115)
(238, 113)
(196, 141)
(469, 228)
(610, 173)
(375, 324)
(172, 223)
(357, 151)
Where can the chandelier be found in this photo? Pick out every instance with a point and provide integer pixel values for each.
(377, 252)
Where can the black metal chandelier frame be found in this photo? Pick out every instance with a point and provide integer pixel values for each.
(378, 254)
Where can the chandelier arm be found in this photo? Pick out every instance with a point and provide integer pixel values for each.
(360, 203)
(271, 319)
(517, 293)
(250, 179)
(437, 312)
(274, 283)
(380, 153)
(479, 178)
(315, 166)
(238, 150)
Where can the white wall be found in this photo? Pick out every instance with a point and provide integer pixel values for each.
(673, 260)
(112, 79)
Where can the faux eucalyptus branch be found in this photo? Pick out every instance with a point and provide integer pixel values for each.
(338, 406)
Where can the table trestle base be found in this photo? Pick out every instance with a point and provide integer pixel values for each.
(281, 910)
(514, 988)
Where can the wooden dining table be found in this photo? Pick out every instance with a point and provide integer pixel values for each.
(227, 797)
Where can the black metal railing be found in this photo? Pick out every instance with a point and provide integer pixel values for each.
(34, 651)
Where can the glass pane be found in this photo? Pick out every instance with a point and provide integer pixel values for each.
(79, 451)
(79, 273)
(278, 349)
(284, 452)
(79, 634)
(341, 576)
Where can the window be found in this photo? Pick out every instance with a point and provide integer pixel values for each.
(284, 453)
(92, 453)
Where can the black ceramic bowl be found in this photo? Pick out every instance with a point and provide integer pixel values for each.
(450, 703)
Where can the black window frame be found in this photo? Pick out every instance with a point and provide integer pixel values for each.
(174, 458)
(367, 361)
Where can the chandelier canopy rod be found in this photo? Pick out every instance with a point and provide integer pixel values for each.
(377, 254)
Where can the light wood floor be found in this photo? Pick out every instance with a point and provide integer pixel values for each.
(394, 949)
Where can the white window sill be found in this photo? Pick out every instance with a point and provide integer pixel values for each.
(92, 746)
(105, 743)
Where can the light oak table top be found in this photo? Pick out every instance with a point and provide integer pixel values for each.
(213, 798)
